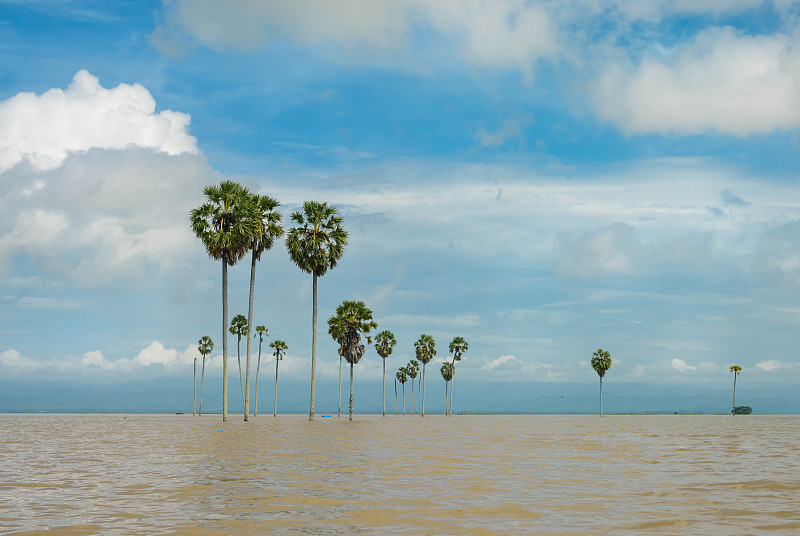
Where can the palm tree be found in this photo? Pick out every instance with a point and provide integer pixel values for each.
(601, 362)
(352, 319)
(267, 228)
(736, 369)
(401, 376)
(261, 332)
(194, 385)
(457, 347)
(205, 346)
(448, 371)
(224, 224)
(341, 356)
(239, 328)
(280, 349)
(384, 344)
(412, 370)
(426, 350)
(315, 246)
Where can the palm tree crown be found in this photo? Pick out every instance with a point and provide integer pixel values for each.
(205, 345)
(317, 242)
(267, 224)
(601, 361)
(225, 222)
(425, 349)
(385, 343)
(457, 347)
(352, 319)
(447, 370)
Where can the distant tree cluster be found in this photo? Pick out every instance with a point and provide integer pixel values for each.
(742, 410)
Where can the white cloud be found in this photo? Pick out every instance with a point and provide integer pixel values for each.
(681, 366)
(775, 365)
(44, 129)
(510, 129)
(503, 361)
(722, 81)
(612, 250)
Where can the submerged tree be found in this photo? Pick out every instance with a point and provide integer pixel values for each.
(457, 347)
(401, 376)
(205, 346)
(448, 371)
(224, 223)
(266, 228)
(239, 328)
(736, 369)
(352, 320)
(280, 349)
(425, 349)
(384, 345)
(315, 246)
(601, 362)
(261, 332)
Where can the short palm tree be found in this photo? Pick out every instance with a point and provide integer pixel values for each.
(457, 347)
(384, 344)
(239, 328)
(224, 223)
(261, 332)
(448, 371)
(401, 376)
(425, 349)
(601, 362)
(736, 369)
(266, 228)
(412, 370)
(315, 245)
(205, 345)
(280, 349)
(352, 319)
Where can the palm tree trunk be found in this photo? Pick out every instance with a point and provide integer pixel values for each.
(412, 396)
(445, 397)
(395, 397)
(733, 411)
(239, 359)
(419, 393)
(313, 345)
(339, 411)
(450, 411)
(384, 387)
(202, 379)
(258, 366)
(423, 390)
(249, 334)
(275, 410)
(404, 400)
(194, 387)
(224, 339)
(351, 391)
(601, 396)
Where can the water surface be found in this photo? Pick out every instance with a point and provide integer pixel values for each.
(179, 475)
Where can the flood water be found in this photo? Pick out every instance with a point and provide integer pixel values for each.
(180, 475)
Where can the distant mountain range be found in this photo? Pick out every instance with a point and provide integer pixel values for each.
(169, 395)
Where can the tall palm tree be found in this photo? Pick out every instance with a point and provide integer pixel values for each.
(601, 362)
(352, 319)
(384, 344)
(205, 346)
(457, 347)
(402, 376)
(736, 369)
(412, 370)
(280, 349)
(266, 229)
(239, 328)
(261, 332)
(224, 223)
(315, 245)
(448, 371)
(194, 386)
(425, 349)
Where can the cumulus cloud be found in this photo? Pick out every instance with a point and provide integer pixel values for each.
(43, 129)
(774, 365)
(722, 81)
(681, 366)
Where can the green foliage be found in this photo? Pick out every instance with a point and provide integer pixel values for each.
(352, 319)
(226, 222)
(736, 369)
(317, 242)
(742, 410)
(425, 348)
(385, 343)
(261, 332)
(267, 223)
(412, 369)
(205, 345)
(448, 370)
(601, 361)
(457, 347)
(280, 348)
(238, 326)
(402, 375)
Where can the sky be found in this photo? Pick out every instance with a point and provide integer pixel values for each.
(541, 178)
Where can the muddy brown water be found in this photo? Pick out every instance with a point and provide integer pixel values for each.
(179, 475)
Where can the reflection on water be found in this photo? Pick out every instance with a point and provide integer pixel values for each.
(178, 475)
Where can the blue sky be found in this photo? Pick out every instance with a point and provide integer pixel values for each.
(541, 178)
